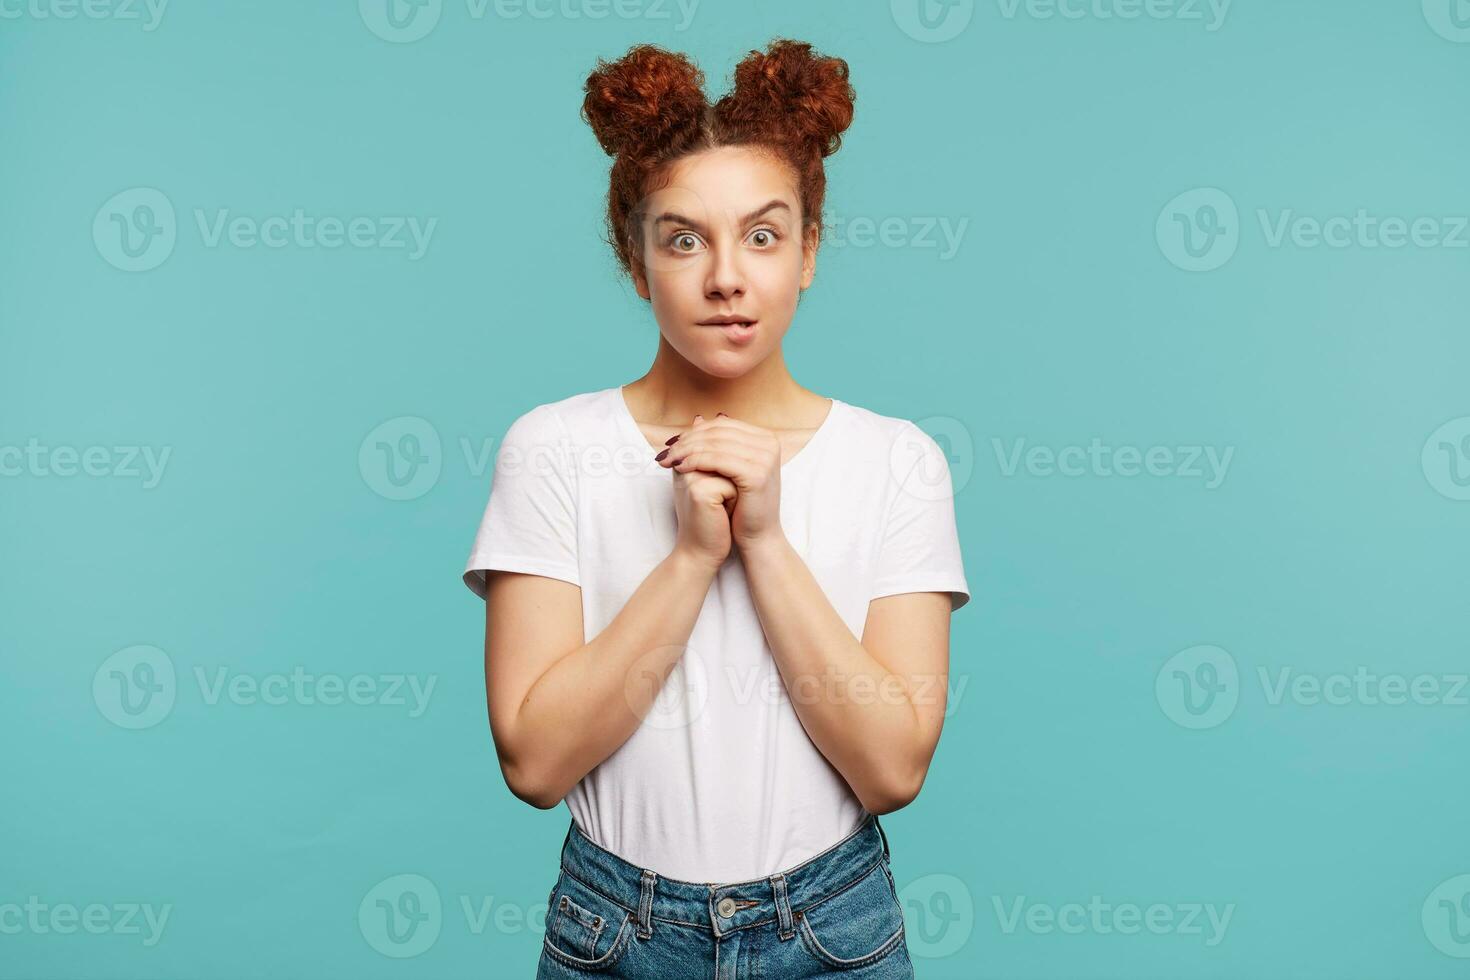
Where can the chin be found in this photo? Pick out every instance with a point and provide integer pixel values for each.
(727, 366)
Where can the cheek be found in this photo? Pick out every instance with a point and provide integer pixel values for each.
(780, 289)
(675, 301)
(675, 298)
(790, 273)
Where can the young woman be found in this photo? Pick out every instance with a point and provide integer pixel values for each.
(717, 604)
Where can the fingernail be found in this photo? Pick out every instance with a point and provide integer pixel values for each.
(698, 417)
(661, 455)
(718, 414)
(672, 439)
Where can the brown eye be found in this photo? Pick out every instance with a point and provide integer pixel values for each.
(684, 237)
(769, 237)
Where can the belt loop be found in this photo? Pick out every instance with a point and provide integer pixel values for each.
(883, 835)
(784, 926)
(645, 905)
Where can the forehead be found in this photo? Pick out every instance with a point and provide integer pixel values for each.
(728, 179)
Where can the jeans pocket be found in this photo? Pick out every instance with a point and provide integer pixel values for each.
(584, 928)
(858, 926)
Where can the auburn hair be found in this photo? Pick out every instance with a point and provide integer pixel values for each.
(648, 109)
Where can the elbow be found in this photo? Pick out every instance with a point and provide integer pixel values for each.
(894, 793)
(540, 799)
(526, 775)
(530, 785)
(537, 793)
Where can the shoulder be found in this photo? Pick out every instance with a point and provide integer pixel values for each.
(885, 434)
(916, 465)
(555, 420)
(555, 431)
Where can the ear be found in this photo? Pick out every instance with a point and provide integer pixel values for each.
(811, 239)
(640, 281)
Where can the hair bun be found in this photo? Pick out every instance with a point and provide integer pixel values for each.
(794, 90)
(643, 98)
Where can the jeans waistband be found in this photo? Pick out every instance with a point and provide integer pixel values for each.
(723, 908)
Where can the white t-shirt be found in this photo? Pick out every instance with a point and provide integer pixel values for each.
(720, 782)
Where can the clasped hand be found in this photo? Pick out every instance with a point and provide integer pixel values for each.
(746, 455)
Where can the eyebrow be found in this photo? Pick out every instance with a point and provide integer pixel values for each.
(680, 219)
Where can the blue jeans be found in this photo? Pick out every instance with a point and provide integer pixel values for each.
(834, 914)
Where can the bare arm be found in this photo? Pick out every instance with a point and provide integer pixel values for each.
(877, 722)
(558, 706)
(872, 706)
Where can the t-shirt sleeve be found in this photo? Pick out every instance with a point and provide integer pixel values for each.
(920, 546)
(530, 520)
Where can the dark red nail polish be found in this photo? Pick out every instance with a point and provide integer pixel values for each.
(672, 439)
(661, 455)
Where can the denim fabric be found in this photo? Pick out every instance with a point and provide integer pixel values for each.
(834, 914)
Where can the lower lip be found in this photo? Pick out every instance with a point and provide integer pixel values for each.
(740, 333)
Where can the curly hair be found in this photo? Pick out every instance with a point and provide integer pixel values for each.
(648, 109)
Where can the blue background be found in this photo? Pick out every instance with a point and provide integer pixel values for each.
(271, 543)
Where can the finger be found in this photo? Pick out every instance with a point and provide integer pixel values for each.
(699, 482)
(725, 421)
(683, 432)
(721, 421)
(745, 430)
(695, 476)
(742, 472)
(704, 442)
(698, 474)
(754, 447)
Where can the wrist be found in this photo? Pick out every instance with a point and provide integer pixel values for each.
(758, 548)
(692, 564)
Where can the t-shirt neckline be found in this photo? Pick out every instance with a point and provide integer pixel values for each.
(630, 425)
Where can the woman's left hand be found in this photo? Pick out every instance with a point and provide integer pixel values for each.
(748, 456)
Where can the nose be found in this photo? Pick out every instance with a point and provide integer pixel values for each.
(726, 279)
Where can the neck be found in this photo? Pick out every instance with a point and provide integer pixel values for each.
(673, 391)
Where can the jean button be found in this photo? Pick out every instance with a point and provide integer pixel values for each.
(726, 907)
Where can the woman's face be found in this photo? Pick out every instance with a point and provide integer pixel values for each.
(724, 239)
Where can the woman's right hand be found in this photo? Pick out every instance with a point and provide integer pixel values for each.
(703, 502)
